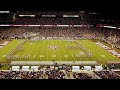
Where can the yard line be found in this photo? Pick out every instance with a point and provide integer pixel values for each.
(64, 52)
(4, 51)
(53, 49)
(107, 51)
(95, 50)
(53, 45)
(85, 58)
(39, 45)
(100, 51)
(59, 51)
(18, 52)
(70, 53)
(35, 51)
(27, 49)
(42, 48)
(91, 48)
(58, 48)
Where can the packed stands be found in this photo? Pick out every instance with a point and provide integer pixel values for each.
(107, 74)
(82, 76)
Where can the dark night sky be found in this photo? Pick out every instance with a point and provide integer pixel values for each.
(104, 6)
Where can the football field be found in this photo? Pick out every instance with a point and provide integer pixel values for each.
(54, 50)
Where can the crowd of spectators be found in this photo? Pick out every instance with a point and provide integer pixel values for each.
(46, 74)
(49, 21)
(20, 75)
(55, 74)
(118, 72)
(113, 65)
(82, 75)
(11, 32)
(107, 74)
(108, 35)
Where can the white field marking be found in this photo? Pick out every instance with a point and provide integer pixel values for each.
(30, 43)
(34, 56)
(28, 55)
(113, 55)
(77, 55)
(53, 50)
(7, 49)
(4, 55)
(69, 52)
(53, 55)
(24, 53)
(82, 53)
(59, 50)
(102, 55)
(17, 45)
(103, 52)
(99, 52)
(73, 56)
(65, 55)
(95, 51)
(33, 49)
(41, 55)
(86, 48)
(43, 46)
(36, 50)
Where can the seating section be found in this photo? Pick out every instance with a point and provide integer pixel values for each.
(107, 74)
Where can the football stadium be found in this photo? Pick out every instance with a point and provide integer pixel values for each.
(58, 45)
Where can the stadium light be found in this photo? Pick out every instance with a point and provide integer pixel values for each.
(34, 25)
(47, 25)
(48, 15)
(109, 27)
(4, 25)
(70, 15)
(78, 25)
(112, 27)
(4, 12)
(26, 15)
(63, 25)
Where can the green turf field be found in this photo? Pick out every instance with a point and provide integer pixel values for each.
(58, 50)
